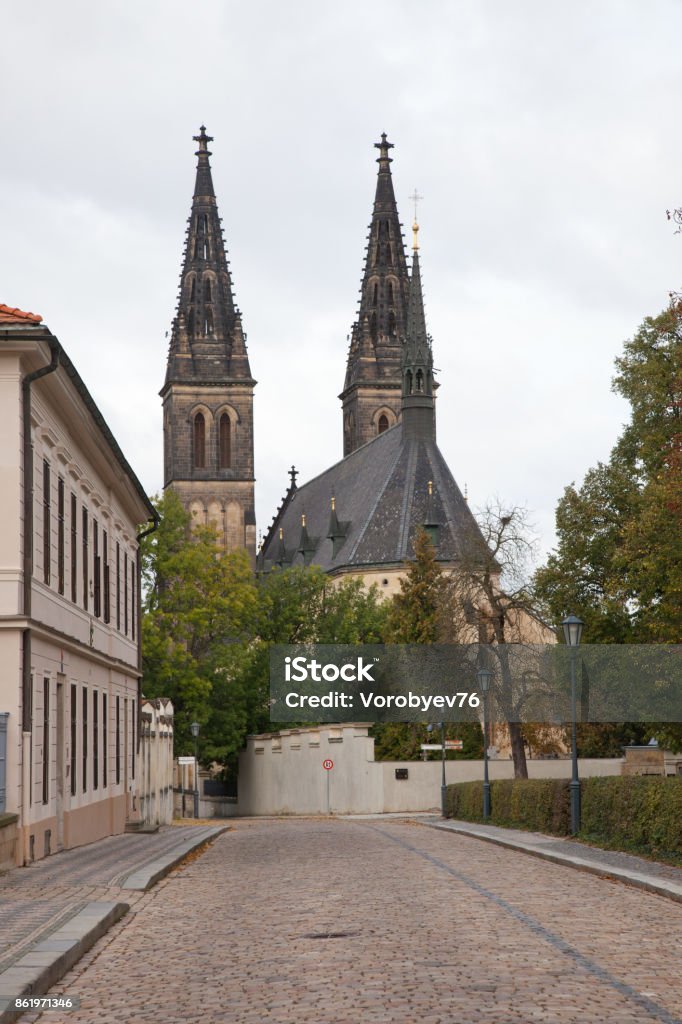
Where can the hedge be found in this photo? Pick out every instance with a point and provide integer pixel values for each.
(641, 814)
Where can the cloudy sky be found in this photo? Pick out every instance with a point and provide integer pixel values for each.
(544, 138)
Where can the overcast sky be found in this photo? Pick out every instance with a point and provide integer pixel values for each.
(544, 138)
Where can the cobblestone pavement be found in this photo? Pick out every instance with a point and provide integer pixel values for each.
(36, 900)
(327, 921)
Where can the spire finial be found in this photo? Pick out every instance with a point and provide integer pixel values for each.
(203, 139)
(293, 473)
(415, 198)
(383, 148)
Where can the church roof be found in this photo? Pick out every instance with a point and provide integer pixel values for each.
(208, 345)
(381, 498)
(12, 315)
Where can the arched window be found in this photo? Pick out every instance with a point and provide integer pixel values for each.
(373, 327)
(225, 454)
(382, 424)
(420, 380)
(207, 290)
(193, 290)
(389, 256)
(199, 441)
(208, 322)
(409, 382)
(375, 297)
(391, 323)
(207, 250)
(390, 294)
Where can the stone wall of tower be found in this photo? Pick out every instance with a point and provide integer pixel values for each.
(221, 496)
(363, 407)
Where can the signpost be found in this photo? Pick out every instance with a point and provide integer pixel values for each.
(328, 764)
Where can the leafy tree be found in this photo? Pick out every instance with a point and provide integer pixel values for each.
(199, 607)
(618, 561)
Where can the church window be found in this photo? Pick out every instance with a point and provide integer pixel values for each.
(375, 297)
(193, 290)
(420, 380)
(383, 424)
(199, 441)
(208, 322)
(225, 441)
(207, 251)
(391, 323)
(373, 327)
(389, 257)
(390, 294)
(409, 382)
(204, 222)
(207, 290)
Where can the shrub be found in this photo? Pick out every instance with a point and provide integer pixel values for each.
(538, 804)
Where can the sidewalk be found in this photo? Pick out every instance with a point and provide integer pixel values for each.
(55, 910)
(663, 879)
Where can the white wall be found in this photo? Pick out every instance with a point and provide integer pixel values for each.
(282, 773)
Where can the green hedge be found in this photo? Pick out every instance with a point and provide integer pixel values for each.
(541, 805)
(642, 814)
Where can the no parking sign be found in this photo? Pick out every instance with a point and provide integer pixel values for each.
(327, 765)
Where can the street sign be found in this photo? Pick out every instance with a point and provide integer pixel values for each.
(185, 760)
(327, 765)
(454, 744)
(432, 746)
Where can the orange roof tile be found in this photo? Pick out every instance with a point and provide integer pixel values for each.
(8, 315)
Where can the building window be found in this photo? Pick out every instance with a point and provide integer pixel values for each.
(207, 290)
(118, 586)
(199, 441)
(74, 549)
(192, 290)
(97, 598)
(419, 380)
(373, 329)
(125, 593)
(208, 322)
(225, 441)
(85, 558)
(107, 583)
(46, 740)
(47, 552)
(383, 424)
(105, 740)
(74, 736)
(133, 596)
(60, 535)
(391, 323)
(390, 294)
(133, 729)
(95, 739)
(118, 740)
(375, 295)
(84, 744)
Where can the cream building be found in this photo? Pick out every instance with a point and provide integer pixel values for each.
(71, 511)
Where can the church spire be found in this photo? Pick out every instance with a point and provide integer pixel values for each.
(373, 363)
(418, 408)
(207, 342)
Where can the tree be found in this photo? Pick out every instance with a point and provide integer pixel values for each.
(199, 606)
(618, 560)
(420, 614)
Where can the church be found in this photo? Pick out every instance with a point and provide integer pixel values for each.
(360, 516)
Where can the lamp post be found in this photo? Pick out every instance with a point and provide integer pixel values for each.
(573, 630)
(484, 677)
(194, 729)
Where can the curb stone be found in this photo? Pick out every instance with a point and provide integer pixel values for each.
(144, 878)
(49, 960)
(649, 883)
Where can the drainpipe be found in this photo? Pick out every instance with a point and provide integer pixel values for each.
(26, 700)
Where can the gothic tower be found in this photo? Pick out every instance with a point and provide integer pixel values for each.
(208, 392)
(372, 390)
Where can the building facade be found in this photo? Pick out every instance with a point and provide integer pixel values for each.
(72, 510)
(208, 391)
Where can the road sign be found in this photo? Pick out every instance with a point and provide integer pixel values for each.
(432, 746)
(454, 744)
(327, 765)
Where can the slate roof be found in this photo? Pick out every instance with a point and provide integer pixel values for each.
(382, 499)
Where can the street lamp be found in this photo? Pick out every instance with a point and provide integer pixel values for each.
(194, 729)
(484, 677)
(443, 787)
(573, 630)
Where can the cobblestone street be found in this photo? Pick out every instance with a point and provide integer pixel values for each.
(332, 921)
